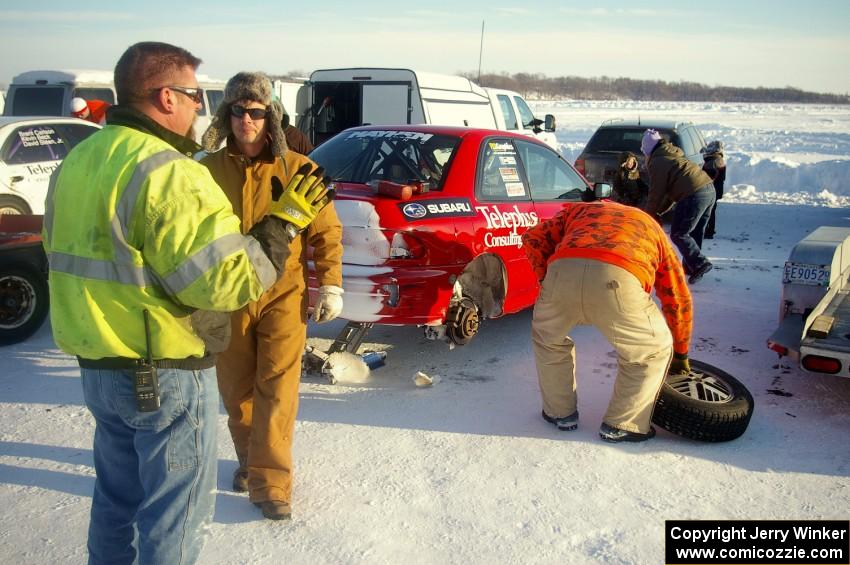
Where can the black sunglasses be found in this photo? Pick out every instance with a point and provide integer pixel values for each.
(255, 113)
(195, 94)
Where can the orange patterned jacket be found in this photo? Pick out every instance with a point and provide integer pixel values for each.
(623, 236)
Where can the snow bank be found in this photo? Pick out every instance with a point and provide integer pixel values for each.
(787, 153)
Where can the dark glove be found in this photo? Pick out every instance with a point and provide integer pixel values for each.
(301, 201)
(680, 364)
(272, 234)
(213, 328)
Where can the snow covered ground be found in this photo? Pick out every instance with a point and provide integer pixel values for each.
(776, 153)
(466, 471)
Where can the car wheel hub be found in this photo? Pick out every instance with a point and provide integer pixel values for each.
(17, 301)
(701, 386)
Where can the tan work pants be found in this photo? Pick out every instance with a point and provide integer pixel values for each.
(258, 377)
(586, 292)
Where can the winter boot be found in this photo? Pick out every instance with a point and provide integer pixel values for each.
(240, 476)
(616, 435)
(566, 424)
(275, 509)
(700, 272)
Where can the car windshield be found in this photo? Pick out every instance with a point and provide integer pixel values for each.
(398, 156)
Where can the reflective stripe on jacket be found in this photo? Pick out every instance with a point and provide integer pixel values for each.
(132, 224)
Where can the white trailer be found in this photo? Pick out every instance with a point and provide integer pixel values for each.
(814, 313)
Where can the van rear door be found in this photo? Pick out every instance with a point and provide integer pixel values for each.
(340, 105)
(25, 100)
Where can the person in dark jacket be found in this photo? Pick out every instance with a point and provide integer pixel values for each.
(675, 178)
(629, 188)
(295, 138)
(715, 167)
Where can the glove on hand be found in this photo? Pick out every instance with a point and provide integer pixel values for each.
(301, 201)
(680, 364)
(329, 304)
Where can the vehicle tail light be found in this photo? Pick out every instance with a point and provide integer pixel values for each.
(820, 364)
(580, 166)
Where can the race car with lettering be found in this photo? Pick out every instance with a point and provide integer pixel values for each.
(433, 219)
(30, 150)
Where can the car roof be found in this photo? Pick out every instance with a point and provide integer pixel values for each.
(36, 120)
(641, 123)
(459, 131)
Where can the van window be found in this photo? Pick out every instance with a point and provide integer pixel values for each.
(215, 97)
(507, 112)
(524, 112)
(104, 94)
(37, 101)
(31, 144)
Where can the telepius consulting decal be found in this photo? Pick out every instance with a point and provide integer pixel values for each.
(440, 207)
(511, 219)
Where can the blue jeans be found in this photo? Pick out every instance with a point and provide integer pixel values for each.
(156, 471)
(690, 216)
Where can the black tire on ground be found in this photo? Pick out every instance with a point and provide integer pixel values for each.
(24, 302)
(13, 205)
(706, 405)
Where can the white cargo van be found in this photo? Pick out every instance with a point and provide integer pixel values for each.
(49, 93)
(344, 98)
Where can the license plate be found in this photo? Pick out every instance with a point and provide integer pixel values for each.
(798, 273)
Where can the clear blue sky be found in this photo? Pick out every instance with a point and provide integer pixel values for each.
(736, 43)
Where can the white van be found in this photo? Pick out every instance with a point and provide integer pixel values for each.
(49, 93)
(342, 98)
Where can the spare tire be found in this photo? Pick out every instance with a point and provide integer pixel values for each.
(706, 405)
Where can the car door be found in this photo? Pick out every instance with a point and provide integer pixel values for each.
(551, 180)
(28, 156)
(504, 212)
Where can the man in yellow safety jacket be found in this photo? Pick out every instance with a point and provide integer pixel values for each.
(144, 252)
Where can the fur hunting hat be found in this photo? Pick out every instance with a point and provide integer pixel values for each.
(247, 86)
(713, 147)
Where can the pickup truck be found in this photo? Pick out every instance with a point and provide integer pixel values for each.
(814, 312)
(24, 298)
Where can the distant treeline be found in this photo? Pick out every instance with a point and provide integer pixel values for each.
(538, 86)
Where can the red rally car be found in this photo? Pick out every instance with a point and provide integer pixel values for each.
(433, 219)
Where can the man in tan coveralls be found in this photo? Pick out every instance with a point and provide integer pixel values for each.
(260, 372)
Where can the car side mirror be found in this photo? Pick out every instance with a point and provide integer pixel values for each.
(601, 190)
(549, 124)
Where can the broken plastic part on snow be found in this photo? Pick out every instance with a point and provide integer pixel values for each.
(347, 367)
(423, 380)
